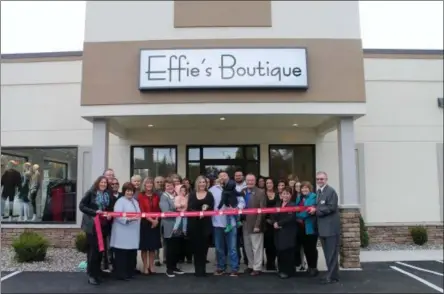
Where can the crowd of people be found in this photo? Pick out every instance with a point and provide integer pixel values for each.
(288, 239)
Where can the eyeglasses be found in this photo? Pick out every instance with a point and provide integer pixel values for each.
(320, 179)
(115, 184)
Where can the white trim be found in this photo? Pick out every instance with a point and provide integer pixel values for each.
(340, 109)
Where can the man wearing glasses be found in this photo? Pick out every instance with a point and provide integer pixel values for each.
(329, 225)
(115, 186)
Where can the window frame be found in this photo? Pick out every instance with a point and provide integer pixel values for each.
(285, 146)
(132, 147)
(14, 155)
(45, 224)
(202, 160)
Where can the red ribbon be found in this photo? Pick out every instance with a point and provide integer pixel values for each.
(99, 233)
(270, 210)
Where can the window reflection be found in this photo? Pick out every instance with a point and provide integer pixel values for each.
(46, 189)
(296, 160)
(154, 161)
(193, 154)
(214, 159)
(222, 153)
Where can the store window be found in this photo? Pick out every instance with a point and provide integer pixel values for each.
(39, 185)
(296, 160)
(153, 161)
(210, 160)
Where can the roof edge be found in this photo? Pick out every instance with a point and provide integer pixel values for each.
(42, 55)
(80, 53)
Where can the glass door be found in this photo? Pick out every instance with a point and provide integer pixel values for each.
(212, 170)
(210, 160)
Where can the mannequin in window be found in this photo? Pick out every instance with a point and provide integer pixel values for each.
(11, 181)
(24, 191)
(34, 189)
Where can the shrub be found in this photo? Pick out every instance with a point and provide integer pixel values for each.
(30, 247)
(363, 233)
(419, 235)
(81, 242)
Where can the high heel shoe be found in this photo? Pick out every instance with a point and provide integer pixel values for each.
(146, 272)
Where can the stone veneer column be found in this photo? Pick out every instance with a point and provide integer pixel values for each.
(350, 234)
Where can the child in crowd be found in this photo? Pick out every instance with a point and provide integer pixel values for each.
(181, 204)
(229, 200)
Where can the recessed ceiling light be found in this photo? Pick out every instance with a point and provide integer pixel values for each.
(150, 126)
(222, 118)
(295, 125)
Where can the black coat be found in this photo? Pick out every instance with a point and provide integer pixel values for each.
(11, 181)
(200, 227)
(89, 207)
(229, 195)
(284, 238)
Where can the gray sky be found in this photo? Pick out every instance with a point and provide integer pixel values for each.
(43, 26)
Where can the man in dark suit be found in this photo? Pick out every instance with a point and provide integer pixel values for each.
(328, 225)
(253, 226)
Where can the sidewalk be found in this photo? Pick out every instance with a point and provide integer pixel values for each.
(401, 255)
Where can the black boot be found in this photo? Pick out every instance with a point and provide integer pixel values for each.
(93, 281)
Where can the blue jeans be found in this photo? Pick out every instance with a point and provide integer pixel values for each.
(181, 222)
(222, 239)
(232, 217)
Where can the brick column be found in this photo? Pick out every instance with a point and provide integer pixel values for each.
(350, 238)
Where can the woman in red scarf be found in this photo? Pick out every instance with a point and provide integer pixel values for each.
(149, 227)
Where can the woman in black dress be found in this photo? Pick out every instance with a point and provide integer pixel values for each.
(96, 200)
(270, 249)
(199, 228)
(149, 227)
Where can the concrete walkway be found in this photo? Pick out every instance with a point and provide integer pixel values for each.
(401, 255)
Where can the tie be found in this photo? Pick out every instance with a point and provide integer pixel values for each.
(319, 193)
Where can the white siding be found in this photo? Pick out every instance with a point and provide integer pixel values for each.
(400, 132)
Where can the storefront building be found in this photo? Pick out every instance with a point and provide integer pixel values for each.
(192, 87)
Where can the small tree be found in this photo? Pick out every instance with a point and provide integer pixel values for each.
(30, 247)
(81, 242)
(363, 233)
(419, 235)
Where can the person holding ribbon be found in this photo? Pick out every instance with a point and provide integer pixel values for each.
(150, 226)
(200, 227)
(284, 224)
(126, 234)
(173, 243)
(96, 201)
(307, 237)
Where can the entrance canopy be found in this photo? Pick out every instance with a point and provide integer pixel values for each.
(125, 118)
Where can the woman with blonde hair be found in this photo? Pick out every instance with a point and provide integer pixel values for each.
(35, 186)
(149, 227)
(200, 228)
(136, 181)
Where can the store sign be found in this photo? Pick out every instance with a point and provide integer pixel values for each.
(223, 68)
